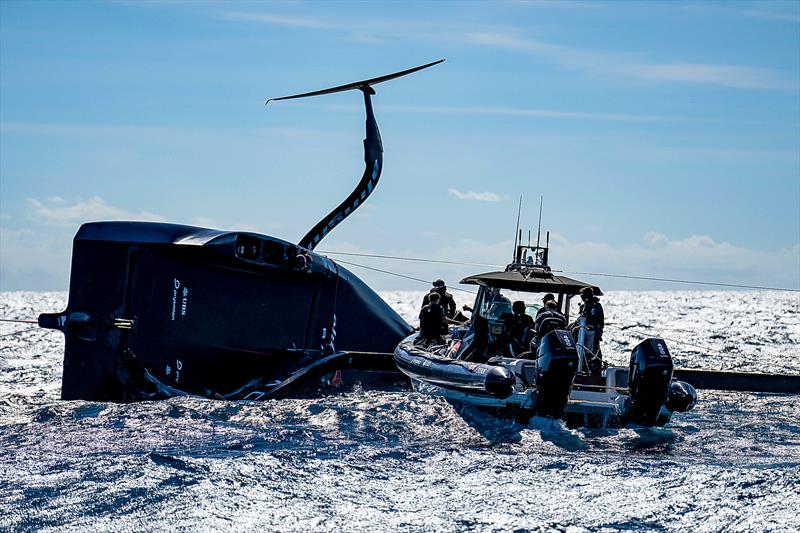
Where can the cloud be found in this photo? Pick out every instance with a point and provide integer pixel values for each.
(37, 257)
(476, 196)
(280, 20)
(785, 16)
(696, 257)
(33, 260)
(628, 66)
(159, 135)
(765, 11)
(592, 61)
(533, 112)
(57, 212)
(725, 75)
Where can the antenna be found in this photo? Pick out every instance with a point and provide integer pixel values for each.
(517, 231)
(539, 231)
(547, 250)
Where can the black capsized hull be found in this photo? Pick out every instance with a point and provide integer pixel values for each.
(207, 311)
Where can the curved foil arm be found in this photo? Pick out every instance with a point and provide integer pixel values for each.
(373, 157)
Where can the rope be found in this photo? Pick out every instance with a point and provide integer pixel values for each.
(600, 274)
(690, 282)
(417, 259)
(676, 341)
(624, 328)
(18, 332)
(427, 282)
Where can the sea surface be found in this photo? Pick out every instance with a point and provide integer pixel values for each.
(389, 460)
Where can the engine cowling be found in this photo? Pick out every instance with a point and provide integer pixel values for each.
(649, 379)
(557, 364)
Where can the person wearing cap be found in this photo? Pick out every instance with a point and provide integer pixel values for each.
(592, 311)
(447, 302)
(547, 298)
(548, 319)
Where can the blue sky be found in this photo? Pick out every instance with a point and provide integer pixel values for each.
(664, 136)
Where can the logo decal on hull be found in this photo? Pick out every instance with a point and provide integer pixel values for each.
(184, 299)
(176, 284)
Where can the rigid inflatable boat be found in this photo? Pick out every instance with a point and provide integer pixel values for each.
(478, 363)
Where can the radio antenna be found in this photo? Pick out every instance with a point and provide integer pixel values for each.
(516, 232)
(539, 231)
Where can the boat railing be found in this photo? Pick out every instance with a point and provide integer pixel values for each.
(581, 344)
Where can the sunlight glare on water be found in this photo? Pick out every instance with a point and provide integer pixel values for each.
(367, 460)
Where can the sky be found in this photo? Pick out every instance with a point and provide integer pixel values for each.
(663, 137)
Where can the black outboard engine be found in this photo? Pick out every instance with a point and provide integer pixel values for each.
(648, 380)
(681, 397)
(557, 364)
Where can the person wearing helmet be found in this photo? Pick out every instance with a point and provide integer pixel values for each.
(446, 301)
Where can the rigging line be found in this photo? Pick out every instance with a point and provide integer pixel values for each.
(18, 332)
(400, 275)
(648, 335)
(417, 259)
(671, 280)
(602, 274)
(18, 321)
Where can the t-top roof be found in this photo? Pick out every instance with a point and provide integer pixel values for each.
(530, 280)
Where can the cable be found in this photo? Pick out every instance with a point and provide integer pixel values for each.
(671, 280)
(17, 332)
(19, 321)
(601, 274)
(417, 259)
(401, 275)
(647, 335)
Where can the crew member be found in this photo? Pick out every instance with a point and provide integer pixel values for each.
(547, 297)
(494, 295)
(518, 325)
(548, 318)
(592, 311)
(431, 321)
(446, 301)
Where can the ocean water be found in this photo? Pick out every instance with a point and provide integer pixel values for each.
(376, 460)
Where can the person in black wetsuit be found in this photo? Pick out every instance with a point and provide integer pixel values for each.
(446, 299)
(548, 319)
(592, 311)
(431, 321)
(518, 325)
(547, 297)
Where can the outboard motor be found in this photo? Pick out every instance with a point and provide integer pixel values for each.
(557, 364)
(648, 380)
(681, 397)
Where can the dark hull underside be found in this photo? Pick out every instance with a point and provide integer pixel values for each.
(207, 312)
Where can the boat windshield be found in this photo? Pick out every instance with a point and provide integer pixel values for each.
(496, 302)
